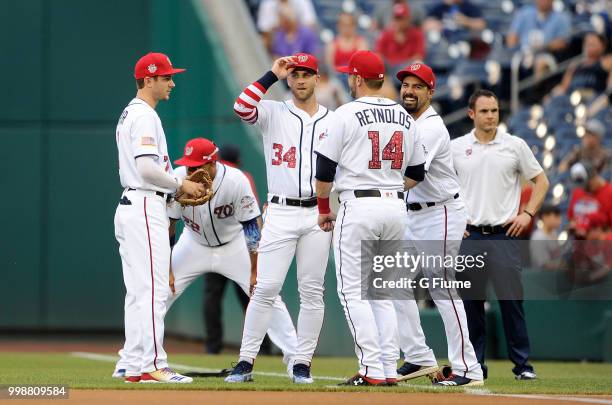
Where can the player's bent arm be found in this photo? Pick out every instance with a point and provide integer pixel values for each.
(540, 188)
(154, 174)
(246, 104)
(252, 235)
(326, 171)
(413, 175)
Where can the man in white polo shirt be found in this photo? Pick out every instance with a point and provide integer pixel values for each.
(490, 163)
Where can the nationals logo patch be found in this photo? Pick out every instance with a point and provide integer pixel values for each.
(468, 152)
(247, 202)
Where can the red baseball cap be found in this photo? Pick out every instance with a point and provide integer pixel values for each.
(305, 60)
(401, 10)
(154, 64)
(365, 64)
(420, 70)
(198, 151)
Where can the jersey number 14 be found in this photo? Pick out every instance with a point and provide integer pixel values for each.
(393, 151)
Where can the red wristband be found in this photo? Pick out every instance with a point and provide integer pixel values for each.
(323, 204)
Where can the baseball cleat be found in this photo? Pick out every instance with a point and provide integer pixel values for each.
(119, 373)
(408, 371)
(243, 372)
(165, 375)
(301, 374)
(132, 379)
(526, 375)
(359, 380)
(455, 380)
(391, 382)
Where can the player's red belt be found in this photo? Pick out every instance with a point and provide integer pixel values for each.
(294, 202)
(420, 206)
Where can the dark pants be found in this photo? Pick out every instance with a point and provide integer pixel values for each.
(503, 269)
(214, 287)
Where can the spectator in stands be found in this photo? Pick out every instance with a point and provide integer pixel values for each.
(383, 14)
(590, 149)
(544, 245)
(401, 43)
(347, 42)
(541, 31)
(268, 17)
(592, 74)
(591, 260)
(330, 92)
(458, 20)
(594, 194)
(291, 37)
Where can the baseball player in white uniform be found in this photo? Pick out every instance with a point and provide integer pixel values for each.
(141, 222)
(291, 131)
(372, 154)
(436, 221)
(220, 236)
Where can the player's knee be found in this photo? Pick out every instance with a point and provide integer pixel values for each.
(267, 291)
(311, 297)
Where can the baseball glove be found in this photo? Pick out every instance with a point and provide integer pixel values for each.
(199, 176)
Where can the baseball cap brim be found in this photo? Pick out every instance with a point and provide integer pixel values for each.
(401, 75)
(185, 161)
(171, 72)
(298, 66)
(163, 73)
(343, 69)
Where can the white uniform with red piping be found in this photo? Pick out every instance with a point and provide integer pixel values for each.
(290, 136)
(437, 230)
(213, 241)
(141, 228)
(373, 143)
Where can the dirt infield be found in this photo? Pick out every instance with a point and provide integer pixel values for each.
(100, 397)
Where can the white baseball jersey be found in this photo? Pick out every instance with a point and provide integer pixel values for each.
(140, 133)
(217, 222)
(373, 141)
(441, 182)
(290, 137)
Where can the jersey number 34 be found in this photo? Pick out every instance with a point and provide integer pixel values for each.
(279, 157)
(393, 151)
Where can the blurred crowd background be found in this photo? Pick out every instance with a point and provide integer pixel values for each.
(549, 61)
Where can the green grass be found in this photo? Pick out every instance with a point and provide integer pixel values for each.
(78, 373)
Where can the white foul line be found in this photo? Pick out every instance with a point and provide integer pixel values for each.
(469, 391)
(113, 359)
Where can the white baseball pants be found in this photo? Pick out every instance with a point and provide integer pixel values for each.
(141, 228)
(288, 232)
(438, 230)
(372, 322)
(190, 259)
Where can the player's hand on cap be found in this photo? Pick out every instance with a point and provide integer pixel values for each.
(192, 188)
(327, 221)
(518, 224)
(282, 66)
